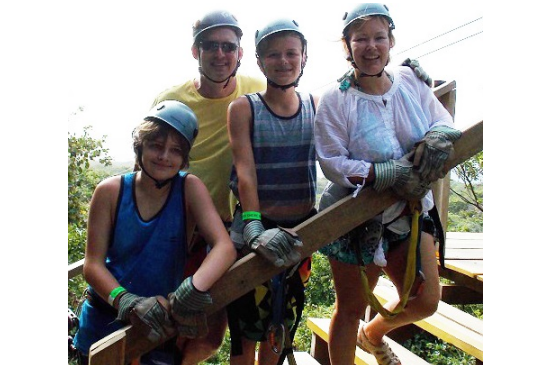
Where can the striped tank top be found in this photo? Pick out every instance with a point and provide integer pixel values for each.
(285, 159)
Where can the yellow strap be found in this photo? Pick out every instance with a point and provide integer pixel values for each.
(409, 278)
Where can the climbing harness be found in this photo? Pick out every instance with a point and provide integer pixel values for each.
(411, 270)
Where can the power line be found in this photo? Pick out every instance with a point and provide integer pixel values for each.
(447, 45)
(450, 44)
(440, 35)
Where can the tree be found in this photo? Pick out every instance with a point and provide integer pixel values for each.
(470, 173)
(81, 179)
(81, 182)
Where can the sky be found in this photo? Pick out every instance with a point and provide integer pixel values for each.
(122, 54)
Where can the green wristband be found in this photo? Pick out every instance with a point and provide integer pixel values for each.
(251, 215)
(114, 293)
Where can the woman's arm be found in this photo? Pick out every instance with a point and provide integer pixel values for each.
(332, 143)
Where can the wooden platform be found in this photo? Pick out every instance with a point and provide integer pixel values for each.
(464, 260)
(448, 323)
(319, 350)
(301, 358)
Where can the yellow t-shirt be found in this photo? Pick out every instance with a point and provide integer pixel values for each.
(211, 156)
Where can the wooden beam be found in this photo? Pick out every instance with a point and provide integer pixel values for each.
(315, 233)
(76, 268)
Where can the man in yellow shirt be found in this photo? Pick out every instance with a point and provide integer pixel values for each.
(217, 48)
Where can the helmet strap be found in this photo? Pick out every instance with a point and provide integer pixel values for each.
(226, 81)
(159, 184)
(285, 87)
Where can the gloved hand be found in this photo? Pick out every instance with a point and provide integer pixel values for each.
(414, 188)
(149, 316)
(431, 153)
(276, 245)
(188, 306)
(419, 71)
(392, 173)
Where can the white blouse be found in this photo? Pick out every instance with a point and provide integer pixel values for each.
(354, 129)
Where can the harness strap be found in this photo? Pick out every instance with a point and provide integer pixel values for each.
(410, 270)
(434, 214)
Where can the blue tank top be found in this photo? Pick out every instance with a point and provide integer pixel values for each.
(285, 160)
(146, 257)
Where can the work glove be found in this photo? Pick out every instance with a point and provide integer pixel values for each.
(149, 316)
(414, 188)
(431, 153)
(401, 177)
(418, 70)
(275, 244)
(392, 173)
(188, 306)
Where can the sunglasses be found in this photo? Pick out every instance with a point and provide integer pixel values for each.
(226, 47)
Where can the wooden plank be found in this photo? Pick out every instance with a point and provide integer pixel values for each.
(477, 244)
(463, 254)
(320, 326)
(109, 351)
(75, 269)
(476, 236)
(301, 358)
(470, 268)
(315, 233)
(448, 323)
(473, 283)
(460, 294)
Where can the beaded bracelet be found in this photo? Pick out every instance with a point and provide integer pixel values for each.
(114, 293)
(251, 215)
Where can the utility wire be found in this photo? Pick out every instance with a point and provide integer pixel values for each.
(439, 35)
(447, 45)
(450, 44)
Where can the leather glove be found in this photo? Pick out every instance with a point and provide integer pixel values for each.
(188, 306)
(418, 70)
(276, 245)
(414, 188)
(431, 153)
(150, 316)
(392, 173)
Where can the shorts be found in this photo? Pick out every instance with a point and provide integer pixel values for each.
(343, 248)
(251, 315)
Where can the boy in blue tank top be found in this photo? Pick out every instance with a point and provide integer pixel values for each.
(136, 251)
(274, 179)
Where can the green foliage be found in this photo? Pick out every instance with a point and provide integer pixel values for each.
(81, 179)
(464, 216)
(436, 351)
(470, 173)
(320, 290)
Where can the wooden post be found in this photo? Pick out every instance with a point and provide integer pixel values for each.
(447, 95)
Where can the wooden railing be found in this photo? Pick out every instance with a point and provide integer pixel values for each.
(252, 270)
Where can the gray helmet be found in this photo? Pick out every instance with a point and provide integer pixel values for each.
(177, 115)
(367, 9)
(215, 19)
(276, 26)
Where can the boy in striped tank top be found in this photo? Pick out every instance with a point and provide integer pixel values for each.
(274, 179)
